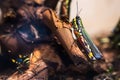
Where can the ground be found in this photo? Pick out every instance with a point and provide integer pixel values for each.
(98, 72)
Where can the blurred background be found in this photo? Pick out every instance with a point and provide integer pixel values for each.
(99, 16)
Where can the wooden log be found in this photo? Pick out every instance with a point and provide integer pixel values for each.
(40, 68)
(42, 60)
(63, 33)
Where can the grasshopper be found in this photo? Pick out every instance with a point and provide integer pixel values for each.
(83, 40)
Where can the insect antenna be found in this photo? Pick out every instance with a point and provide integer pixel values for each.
(77, 7)
(78, 12)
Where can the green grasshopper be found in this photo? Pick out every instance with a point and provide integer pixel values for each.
(84, 41)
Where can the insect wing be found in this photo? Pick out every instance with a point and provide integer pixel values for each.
(84, 44)
(95, 50)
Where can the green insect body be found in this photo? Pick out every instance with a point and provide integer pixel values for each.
(84, 41)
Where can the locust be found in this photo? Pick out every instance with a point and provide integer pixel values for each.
(83, 40)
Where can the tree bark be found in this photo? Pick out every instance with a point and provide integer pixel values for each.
(64, 35)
